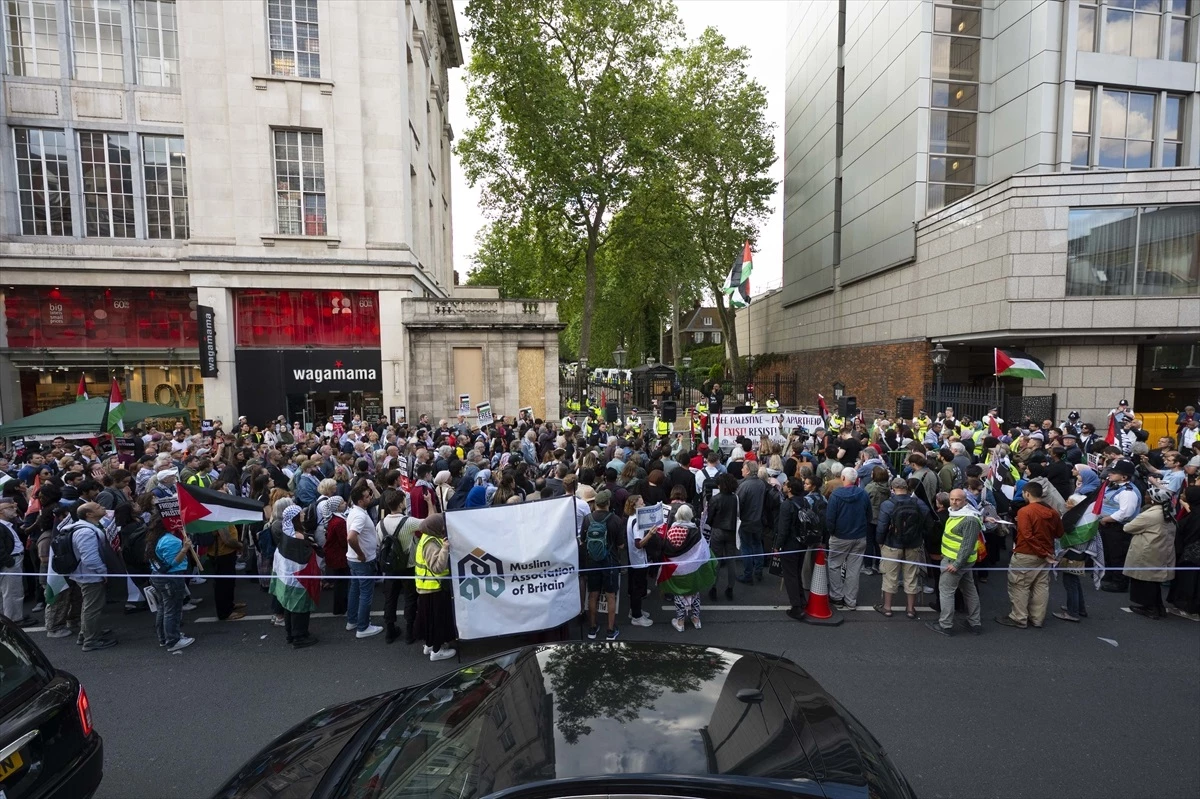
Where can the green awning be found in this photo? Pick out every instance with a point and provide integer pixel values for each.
(85, 417)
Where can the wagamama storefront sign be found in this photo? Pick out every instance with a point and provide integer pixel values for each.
(322, 375)
(514, 568)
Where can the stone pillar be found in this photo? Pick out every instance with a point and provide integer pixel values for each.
(394, 349)
(220, 392)
(10, 379)
(1089, 378)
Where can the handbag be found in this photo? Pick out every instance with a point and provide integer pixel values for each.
(775, 567)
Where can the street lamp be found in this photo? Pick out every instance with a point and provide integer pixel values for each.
(938, 355)
(580, 396)
(839, 389)
(619, 360)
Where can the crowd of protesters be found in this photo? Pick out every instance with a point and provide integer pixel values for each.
(932, 504)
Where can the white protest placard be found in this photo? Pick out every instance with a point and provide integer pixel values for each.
(650, 516)
(464, 404)
(484, 410)
(726, 428)
(514, 568)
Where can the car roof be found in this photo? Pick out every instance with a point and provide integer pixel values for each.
(568, 712)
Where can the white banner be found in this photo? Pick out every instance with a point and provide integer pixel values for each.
(515, 568)
(725, 428)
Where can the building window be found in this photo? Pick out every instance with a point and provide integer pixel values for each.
(1126, 129)
(1172, 150)
(32, 28)
(295, 44)
(708, 321)
(1147, 251)
(716, 337)
(1176, 29)
(96, 40)
(1085, 38)
(300, 182)
(954, 97)
(43, 186)
(698, 337)
(1081, 128)
(506, 739)
(164, 165)
(156, 42)
(107, 185)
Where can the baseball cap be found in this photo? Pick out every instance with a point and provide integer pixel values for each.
(603, 497)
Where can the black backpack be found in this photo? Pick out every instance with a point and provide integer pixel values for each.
(907, 524)
(62, 545)
(133, 545)
(806, 526)
(393, 560)
(312, 517)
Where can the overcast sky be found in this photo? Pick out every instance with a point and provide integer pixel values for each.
(755, 24)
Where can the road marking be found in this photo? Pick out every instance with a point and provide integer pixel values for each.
(707, 608)
(269, 616)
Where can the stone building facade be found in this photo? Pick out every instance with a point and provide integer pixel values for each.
(286, 164)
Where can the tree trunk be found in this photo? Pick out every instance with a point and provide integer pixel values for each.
(589, 293)
(676, 336)
(729, 330)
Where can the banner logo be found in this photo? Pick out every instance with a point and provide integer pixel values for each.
(477, 566)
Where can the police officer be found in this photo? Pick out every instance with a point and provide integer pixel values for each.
(772, 404)
(634, 423)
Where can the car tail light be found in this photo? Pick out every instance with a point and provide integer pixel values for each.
(85, 712)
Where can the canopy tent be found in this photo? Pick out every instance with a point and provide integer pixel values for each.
(83, 418)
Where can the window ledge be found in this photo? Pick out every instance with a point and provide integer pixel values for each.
(270, 239)
(261, 81)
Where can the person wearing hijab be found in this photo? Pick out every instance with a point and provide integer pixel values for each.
(442, 490)
(459, 498)
(1150, 561)
(1184, 595)
(477, 497)
(295, 579)
(334, 512)
(1079, 544)
(435, 600)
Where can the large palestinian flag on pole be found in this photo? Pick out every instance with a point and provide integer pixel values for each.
(114, 414)
(81, 390)
(204, 510)
(737, 286)
(1014, 363)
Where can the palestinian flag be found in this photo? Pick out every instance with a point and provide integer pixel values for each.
(295, 575)
(691, 572)
(81, 391)
(1014, 363)
(1110, 437)
(737, 286)
(1082, 522)
(824, 409)
(204, 510)
(114, 414)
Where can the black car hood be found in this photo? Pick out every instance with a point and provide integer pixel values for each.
(573, 711)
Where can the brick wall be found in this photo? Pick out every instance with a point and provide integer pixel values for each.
(874, 373)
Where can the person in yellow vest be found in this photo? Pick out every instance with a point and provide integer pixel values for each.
(753, 405)
(634, 423)
(199, 476)
(696, 426)
(772, 404)
(568, 424)
(921, 424)
(435, 595)
(836, 423)
(661, 428)
(959, 538)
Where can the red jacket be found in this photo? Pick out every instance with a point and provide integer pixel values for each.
(335, 543)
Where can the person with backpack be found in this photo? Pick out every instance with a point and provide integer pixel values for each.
(168, 555)
(81, 546)
(12, 551)
(797, 528)
(397, 534)
(900, 533)
(603, 538)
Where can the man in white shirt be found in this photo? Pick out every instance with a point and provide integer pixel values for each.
(362, 544)
(1189, 435)
(12, 588)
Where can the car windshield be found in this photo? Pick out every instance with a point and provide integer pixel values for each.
(17, 667)
(569, 712)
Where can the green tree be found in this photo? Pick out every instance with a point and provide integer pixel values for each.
(722, 152)
(563, 121)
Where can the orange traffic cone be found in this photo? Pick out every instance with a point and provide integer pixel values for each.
(818, 609)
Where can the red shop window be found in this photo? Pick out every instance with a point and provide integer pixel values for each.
(307, 318)
(93, 319)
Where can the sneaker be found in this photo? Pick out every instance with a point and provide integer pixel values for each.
(183, 643)
(372, 629)
(593, 632)
(796, 613)
(301, 643)
(135, 607)
(61, 632)
(973, 629)
(677, 624)
(1007, 621)
(928, 589)
(240, 566)
(277, 621)
(442, 654)
(190, 606)
(427, 649)
(197, 581)
(103, 643)
(351, 627)
(613, 634)
(939, 629)
(151, 594)
(641, 621)
(38, 607)
(696, 622)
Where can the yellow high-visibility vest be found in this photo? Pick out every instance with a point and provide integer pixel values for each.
(425, 576)
(952, 541)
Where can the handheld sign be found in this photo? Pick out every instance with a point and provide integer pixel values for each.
(484, 410)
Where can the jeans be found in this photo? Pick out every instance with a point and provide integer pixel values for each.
(948, 583)
(752, 550)
(362, 591)
(846, 552)
(171, 595)
(1074, 588)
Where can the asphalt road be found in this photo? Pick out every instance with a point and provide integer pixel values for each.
(1012, 713)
